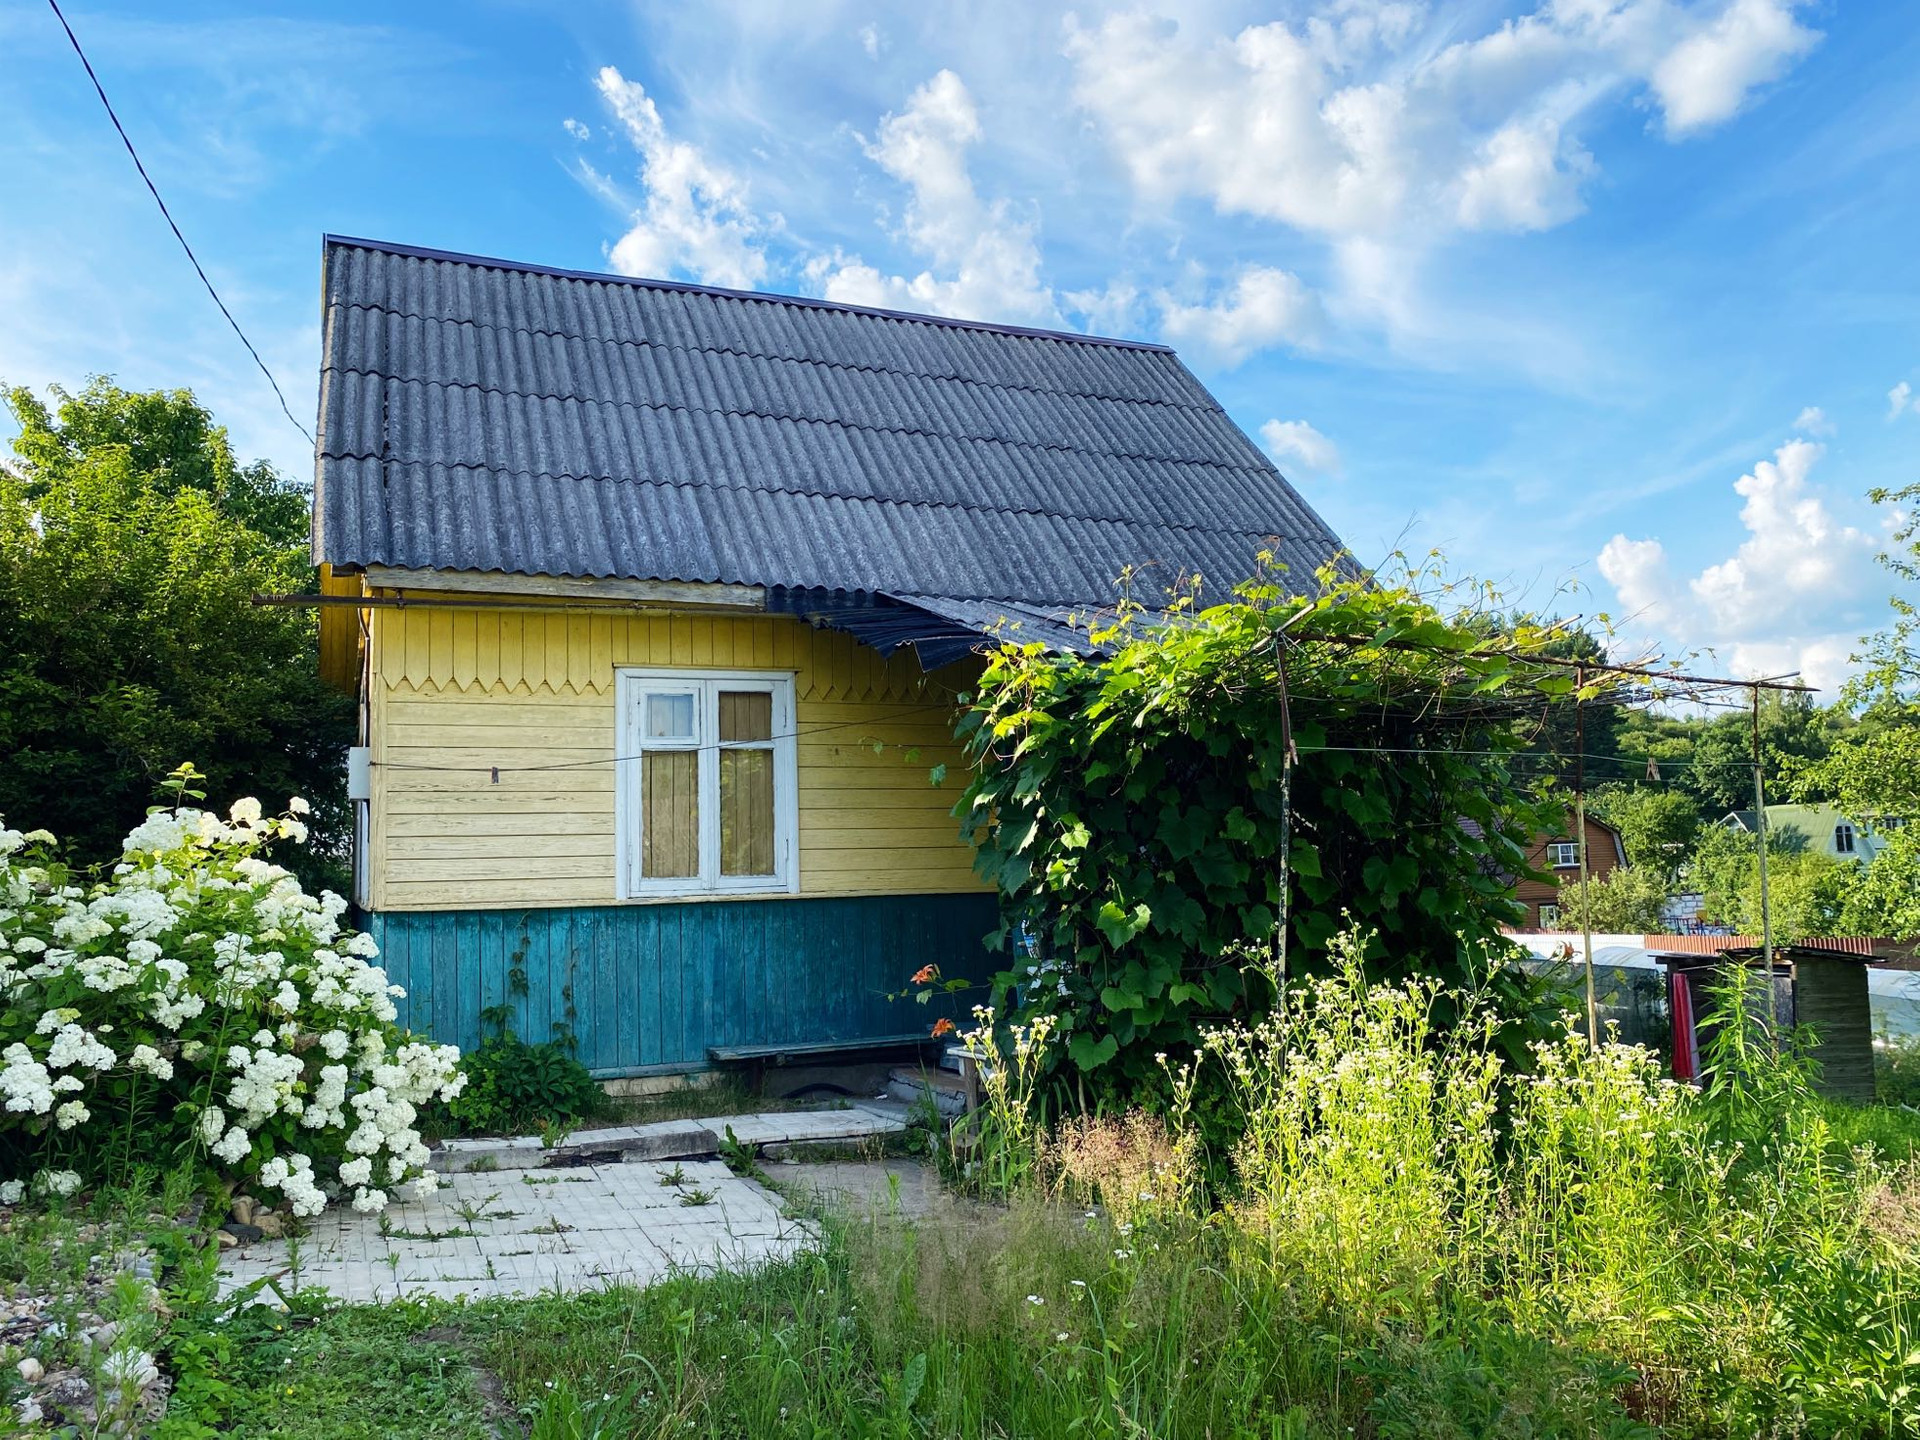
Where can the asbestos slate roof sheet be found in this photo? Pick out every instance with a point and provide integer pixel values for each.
(481, 415)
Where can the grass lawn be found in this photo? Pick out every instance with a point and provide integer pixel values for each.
(1892, 1130)
(890, 1332)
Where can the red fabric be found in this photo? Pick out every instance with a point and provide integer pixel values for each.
(1686, 1043)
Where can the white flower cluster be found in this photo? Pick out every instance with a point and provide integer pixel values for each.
(205, 970)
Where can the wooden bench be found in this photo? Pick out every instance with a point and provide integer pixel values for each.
(814, 1049)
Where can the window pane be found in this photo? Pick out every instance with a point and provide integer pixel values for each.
(746, 811)
(669, 717)
(669, 814)
(746, 715)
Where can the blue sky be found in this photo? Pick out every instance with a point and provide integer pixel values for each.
(1611, 294)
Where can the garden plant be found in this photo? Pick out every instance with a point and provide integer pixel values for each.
(196, 1004)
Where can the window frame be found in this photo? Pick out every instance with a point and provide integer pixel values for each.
(631, 687)
(1554, 847)
(1845, 839)
(1549, 921)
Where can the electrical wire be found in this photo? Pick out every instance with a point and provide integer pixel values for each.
(797, 733)
(167, 214)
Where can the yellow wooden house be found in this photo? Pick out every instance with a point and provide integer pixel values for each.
(659, 601)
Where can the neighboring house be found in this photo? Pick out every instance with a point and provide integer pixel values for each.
(1557, 853)
(659, 600)
(1822, 828)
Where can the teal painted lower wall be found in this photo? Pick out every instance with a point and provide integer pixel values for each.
(652, 986)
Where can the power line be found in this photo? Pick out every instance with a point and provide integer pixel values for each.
(797, 733)
(152, 190)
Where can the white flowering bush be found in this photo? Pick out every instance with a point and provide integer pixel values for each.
(198, 1006)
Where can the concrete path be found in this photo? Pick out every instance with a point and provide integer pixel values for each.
(676, 1139)
(862, 1189)
(515, 1217)
(531, 1232)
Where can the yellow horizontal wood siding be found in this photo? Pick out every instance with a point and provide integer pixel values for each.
(456, 692)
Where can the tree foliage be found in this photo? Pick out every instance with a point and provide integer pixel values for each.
(130, 548)
(1627, 900)
(1808, 893)
(1130, 808)
(169, 440)
(1657, 826)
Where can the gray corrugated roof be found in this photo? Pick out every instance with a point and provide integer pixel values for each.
(480, 415)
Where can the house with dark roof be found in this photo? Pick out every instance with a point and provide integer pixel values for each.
(658, 601)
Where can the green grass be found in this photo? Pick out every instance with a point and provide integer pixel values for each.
(1893, 1131)
(1414, 1243)
(1619, 1257)
(361, 1373)
(891, 1332)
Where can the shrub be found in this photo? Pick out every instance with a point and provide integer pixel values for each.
(1896, 1069)
(196, 1004)
(1151, 817)
(513, 1086)
(1629, 901)
(1581, 1247)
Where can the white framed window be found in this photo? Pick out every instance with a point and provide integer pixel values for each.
(1549, 917)
(1563, 855)
(705, 792)
(1843, 839)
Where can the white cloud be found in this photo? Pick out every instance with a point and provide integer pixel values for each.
(870, 40)
(983, 263)
(1524, 178)
(1371, 120)
(1900, 400)
(1813, 421)
(1114, 309)
(1298, 442)
(1263, 307)
(1708, 75)
(1792, 595)
(577, 130)
(695, 220)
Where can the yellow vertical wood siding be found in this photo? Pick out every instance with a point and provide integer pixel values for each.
(340, 631)
(455, 692)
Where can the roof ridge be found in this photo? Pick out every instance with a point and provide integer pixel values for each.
(1263, 467)
(849, 365)
(724, 484)
(721, 292)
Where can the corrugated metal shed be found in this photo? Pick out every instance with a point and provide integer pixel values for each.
(484, 416)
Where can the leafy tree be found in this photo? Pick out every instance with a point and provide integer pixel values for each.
(1794, 734)
(129, 554)
(1577, 741)
(1873, 773)
(1648, 735)
(168, 439)
(1808, 893)
(1129, 809)
(1885, 899)
(1658, 826)
(1892, 656)
(1628, 900)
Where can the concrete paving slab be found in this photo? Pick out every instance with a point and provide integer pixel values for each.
(498, 1234)
(672, 1139)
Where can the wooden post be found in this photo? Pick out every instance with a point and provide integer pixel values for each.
(1287, 756)
(1580, 823)
(1760, 833)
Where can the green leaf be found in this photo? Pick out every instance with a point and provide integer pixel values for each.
(1090, 1054)
(1120, 925)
